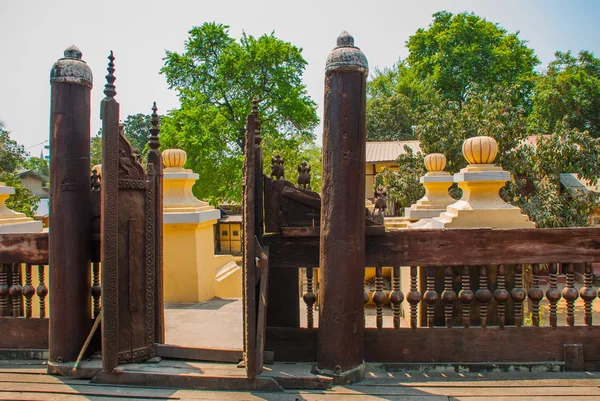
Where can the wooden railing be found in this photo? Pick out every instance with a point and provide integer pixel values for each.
(24, 291)
(460, 296)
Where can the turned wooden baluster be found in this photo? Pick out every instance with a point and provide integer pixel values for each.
(570, 294)
(535, 294)
(42, 291)
(501, 296)
(483, 295)
(366, 301)
(96, 288)
(587, 293)
(466, 296)
(518, 295)
(553, 293)
(16, 290)
(396, 297)
(28, 290)
(309, 298)
(413, 297)
(431, 296)
(448, 297)
(3, 290)
(379, 296)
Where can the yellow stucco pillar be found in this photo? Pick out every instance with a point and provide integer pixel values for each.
(436, 183)
(481, 205)
(12, 222)
(190, 265)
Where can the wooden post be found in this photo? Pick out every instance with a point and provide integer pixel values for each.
(69, 273)
(342, 254)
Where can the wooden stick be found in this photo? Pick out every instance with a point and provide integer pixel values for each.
(86, 344)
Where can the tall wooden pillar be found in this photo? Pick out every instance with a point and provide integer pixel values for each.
(70, 235)
(342, 258)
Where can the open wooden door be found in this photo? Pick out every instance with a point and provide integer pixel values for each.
(255, 259)
(130, 254)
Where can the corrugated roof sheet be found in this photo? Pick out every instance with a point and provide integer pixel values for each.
(378, 152)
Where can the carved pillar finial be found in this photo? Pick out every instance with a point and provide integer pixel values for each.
(109, 88)
(153, 141)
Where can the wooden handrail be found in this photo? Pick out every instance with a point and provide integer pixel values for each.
(454, 247)
(24, 248)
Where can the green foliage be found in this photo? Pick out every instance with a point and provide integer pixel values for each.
(569, 92)
(136, 128)
(464, 54)
(403, 186)
(217, 70)
(201, 132)
(22, 201)
(217, 78)
(12, 155)
(38, 165)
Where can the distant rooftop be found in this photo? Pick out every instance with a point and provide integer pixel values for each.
(379, 152)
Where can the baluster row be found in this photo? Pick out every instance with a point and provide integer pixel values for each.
(462, 301)
(12, 291)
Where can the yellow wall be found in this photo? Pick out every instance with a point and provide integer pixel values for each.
(190, 266)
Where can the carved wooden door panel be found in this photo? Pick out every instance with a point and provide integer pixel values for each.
(128, 237)
(255, 259)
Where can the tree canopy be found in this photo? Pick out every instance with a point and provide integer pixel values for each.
(568, 92)
(464, 53)
(13, 157)
(217, 77)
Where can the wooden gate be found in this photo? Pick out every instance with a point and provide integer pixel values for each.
(255, 259)
(131, 241)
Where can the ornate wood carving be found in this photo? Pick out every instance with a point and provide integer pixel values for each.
(131, 223)
(413, 297)
(587, 293)
(553, 294)
(466, 296)
(570, 294)
(483, 295)
(501, 296)
(535, 294)
(396, 297)
(518, 295)
(448, 297)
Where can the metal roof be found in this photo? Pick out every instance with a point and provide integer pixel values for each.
(378, 152)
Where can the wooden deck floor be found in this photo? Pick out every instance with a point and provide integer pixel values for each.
(22, 380)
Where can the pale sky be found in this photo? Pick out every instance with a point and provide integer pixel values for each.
(34, 34)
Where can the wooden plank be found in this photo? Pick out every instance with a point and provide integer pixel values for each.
(316, 231)
(262, 307)
(526, 344)
(292, 344)
(23, 333)
(198, 354)
(24, 248)
(425, 345)
(454, 247)
(190, 381)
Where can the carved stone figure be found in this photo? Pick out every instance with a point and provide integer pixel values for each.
(380, 202)
(277, 167)
(304, 175)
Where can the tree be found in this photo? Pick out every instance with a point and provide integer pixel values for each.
(535, 168)
(463, 54)
(217, 78)
(38, 165)
(12, 157)
(136, 128)
(568, 92)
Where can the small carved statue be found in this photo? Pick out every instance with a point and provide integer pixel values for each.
(380, 202)
(277, 167)
(304, 175)
(95, 180)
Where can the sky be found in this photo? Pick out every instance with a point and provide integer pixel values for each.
(34, 34)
